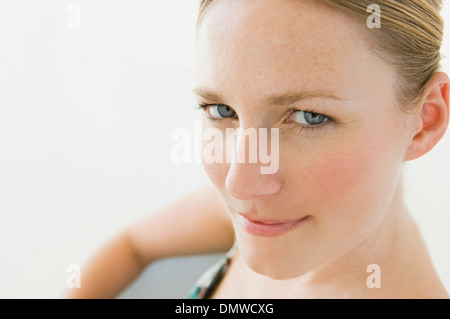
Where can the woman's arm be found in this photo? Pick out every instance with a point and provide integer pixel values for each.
(197, 223)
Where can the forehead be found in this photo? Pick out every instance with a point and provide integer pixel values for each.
(268, 46)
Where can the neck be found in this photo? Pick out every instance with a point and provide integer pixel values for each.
(382, 248)
(395, 245)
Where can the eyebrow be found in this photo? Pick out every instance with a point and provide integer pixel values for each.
(284, 99)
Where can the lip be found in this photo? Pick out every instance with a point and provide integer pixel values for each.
(266, 228)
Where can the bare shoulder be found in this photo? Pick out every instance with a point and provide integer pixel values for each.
(193, 224)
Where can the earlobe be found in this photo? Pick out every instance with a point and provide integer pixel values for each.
(433, 117)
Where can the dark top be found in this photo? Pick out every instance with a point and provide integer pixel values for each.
(208, 282)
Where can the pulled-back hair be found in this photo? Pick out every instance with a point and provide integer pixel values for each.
(409, 40)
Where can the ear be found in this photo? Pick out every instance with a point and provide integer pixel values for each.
(432, 118)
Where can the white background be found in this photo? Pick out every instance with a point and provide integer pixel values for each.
(86, 116)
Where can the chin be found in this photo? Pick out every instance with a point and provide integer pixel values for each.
(274, 268)
(272, 257)
(276, 273)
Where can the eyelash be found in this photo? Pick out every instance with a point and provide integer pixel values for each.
(296, 126)
(204, 107)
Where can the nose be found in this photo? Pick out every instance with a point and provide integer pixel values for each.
(245, 180)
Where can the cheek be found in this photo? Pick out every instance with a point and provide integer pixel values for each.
(217, 173)
(358, 175)
(333, 177)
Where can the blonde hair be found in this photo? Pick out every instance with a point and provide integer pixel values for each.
(409, 40)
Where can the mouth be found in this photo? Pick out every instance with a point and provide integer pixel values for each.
(266, 228)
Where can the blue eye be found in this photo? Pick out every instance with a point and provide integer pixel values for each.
(221, 111)
(218, 111)
(309, 118)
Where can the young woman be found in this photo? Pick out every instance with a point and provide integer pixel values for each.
(352, 101)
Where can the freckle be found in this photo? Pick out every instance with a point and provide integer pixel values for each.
(337, 176)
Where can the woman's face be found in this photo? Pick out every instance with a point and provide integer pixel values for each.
(305, 69)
